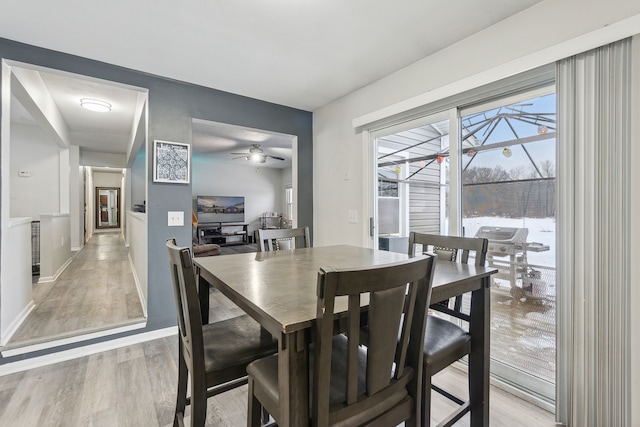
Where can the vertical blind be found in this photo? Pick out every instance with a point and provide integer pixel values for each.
(594, 143)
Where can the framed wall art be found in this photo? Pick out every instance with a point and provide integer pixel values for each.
(171, 162)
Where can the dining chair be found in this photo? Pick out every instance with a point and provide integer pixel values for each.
(215, 355)
(274, 239)
(351, 385)
(446, 342)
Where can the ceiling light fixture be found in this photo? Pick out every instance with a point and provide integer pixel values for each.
(95, 105)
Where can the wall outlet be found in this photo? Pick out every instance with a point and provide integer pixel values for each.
(175, 219)
(24, 174)
(353, 217)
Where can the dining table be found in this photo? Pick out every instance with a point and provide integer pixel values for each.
(278, 289)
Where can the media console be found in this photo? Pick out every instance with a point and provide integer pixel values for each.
(223, 233)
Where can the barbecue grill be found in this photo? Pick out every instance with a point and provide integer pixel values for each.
(504, 240)
(511, 242)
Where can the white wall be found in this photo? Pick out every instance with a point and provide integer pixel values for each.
(32, 151)
(261, 187)
(16, 298)
(94, 158)
(55, 245)
(106, 179)
(76, 198)
(137, 239)
(287, 180)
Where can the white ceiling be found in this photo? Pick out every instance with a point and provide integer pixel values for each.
(299, 53)
(108, 132)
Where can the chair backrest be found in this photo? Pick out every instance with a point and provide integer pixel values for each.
(274, 239)
(450, 248)
(455, 249)
(187, 303)
(398, 296)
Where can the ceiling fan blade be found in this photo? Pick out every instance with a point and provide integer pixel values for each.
(241, 157)
(242, 154)
(276, 157)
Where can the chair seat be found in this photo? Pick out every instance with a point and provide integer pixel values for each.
(265, 374)
(231, 344)
(444, 343)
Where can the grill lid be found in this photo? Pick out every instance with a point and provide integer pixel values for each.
(503, 234)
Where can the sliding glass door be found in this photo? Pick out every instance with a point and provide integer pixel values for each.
(487, 171)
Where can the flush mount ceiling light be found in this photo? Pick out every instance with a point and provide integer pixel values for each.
(95, 105)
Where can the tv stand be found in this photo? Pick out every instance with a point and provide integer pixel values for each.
(223, 233)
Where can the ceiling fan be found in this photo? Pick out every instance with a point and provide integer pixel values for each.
(255, 154)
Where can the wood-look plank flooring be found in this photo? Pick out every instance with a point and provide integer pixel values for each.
(95, 292)
(135, 386)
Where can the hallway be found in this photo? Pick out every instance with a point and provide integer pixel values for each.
(97, 291)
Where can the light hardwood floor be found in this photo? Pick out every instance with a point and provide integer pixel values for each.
(96, 291)
(135, 386)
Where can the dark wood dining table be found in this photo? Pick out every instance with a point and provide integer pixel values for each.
(278, 289)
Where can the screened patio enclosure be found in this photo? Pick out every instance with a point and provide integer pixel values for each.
(507, 176)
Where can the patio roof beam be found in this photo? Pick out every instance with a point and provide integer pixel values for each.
(475, 184)
(412, 146)
(477, 149)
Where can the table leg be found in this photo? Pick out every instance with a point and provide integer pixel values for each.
(479, 357)
(203, 296)
(293, 378)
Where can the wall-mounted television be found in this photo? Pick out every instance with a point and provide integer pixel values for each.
(220, 209)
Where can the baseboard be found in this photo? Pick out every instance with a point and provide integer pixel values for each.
(6, 337)
(55, 277)
(143, 301)
(62, 356)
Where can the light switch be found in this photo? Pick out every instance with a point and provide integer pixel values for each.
(176, 219)
(353, 217)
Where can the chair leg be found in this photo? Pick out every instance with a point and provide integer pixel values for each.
(254, 408)
(425, 415)
(181, 395)
(198, 401)
(265, 417)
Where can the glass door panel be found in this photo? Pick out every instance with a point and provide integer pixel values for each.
(412, 183)
(508, 196)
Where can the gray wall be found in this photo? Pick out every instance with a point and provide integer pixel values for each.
(172, 105)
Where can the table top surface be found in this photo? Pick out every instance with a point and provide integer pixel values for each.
(279, 288)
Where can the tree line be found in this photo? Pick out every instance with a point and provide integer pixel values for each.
(518, 192)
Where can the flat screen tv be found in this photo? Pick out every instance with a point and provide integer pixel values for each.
(220, 209)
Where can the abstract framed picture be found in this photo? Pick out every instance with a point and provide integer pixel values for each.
(171, 162)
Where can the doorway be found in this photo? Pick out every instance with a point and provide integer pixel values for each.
(50, 147)
(107, 207)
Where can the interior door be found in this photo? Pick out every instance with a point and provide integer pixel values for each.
(107, 207)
